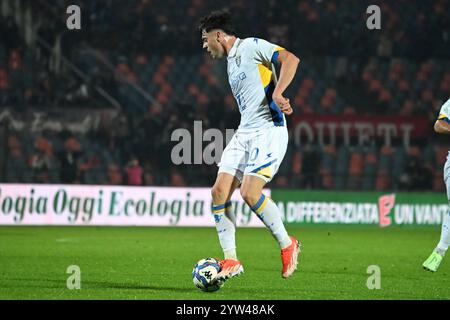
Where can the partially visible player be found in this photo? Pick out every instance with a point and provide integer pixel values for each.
(442, 126)
(255, 152)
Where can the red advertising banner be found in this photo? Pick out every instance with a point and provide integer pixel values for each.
(325, 129)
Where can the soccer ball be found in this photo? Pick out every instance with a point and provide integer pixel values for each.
(204, 274)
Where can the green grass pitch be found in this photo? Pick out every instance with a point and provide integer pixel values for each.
(156, 263)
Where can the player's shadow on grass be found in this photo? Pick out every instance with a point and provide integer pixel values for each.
(61, 283)
(131, 286)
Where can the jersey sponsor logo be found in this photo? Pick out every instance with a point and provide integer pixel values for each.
(235, 81)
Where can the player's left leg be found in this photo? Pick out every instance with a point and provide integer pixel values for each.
(434, 260)
(268, 212)
(231, 168)
(444, 242)
(223, 216)
(226, 224)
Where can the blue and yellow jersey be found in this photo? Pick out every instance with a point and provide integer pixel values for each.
(252, 82)
(444, 113)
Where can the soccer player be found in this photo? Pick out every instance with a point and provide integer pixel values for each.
(442, 126)
(255, 152)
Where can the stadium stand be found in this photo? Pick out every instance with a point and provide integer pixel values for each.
(154, 75)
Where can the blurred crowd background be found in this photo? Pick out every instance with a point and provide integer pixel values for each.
(98, 105)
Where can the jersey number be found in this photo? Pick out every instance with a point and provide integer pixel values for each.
(241, 102)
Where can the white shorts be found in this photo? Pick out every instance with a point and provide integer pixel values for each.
(447, 176)
(256, 152)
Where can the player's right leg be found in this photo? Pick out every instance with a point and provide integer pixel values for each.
(268, 212)
(267, 148)
(434, 260)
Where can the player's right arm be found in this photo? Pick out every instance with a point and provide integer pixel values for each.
(442, 126)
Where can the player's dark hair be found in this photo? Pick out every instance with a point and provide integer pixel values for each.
(220, 19)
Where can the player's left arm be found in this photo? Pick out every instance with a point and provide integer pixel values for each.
(289, 63)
